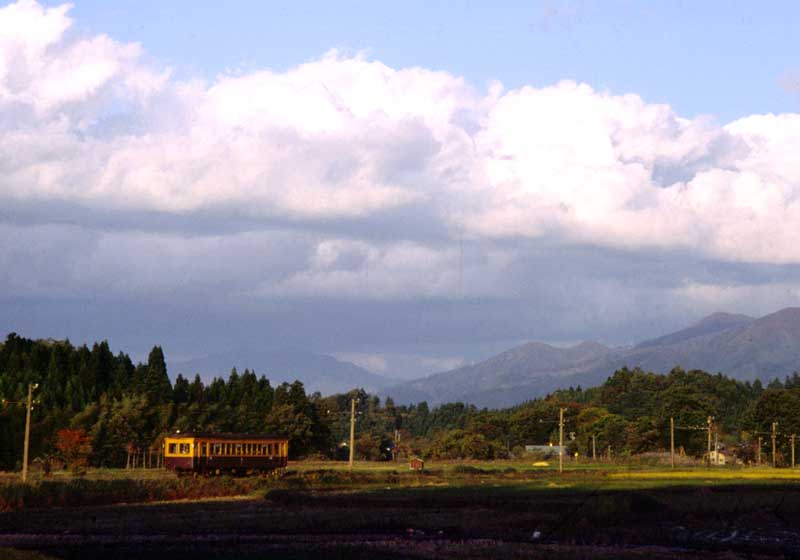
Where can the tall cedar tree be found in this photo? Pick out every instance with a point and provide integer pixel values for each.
(157, 385)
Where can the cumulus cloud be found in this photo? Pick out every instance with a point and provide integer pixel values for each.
(344, 179)
(87, 121)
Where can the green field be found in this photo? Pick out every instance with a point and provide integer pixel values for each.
(500, 509)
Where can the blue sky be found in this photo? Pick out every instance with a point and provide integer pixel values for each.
(207, 177)
(726, 59)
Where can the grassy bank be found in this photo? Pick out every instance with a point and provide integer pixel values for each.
(106, 487)
(93, 492)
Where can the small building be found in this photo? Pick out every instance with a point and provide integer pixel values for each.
(718, 457)
(417, 464)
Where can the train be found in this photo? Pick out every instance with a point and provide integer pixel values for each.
(236, 454)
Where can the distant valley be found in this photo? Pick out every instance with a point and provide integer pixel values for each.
(318, 372)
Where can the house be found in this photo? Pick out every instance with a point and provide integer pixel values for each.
(718, 457)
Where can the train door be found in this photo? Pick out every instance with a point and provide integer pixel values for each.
(201, 455)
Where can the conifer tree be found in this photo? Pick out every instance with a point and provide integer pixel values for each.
(157, 386)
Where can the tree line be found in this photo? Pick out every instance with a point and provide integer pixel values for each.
(124, 410)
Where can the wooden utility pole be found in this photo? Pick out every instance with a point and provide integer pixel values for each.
(396, 441)
(774, 437)
(709, 421)
(560, 440)
(26, 445)
(716, 445)
(594, 447)
(352, 432)
(672, 441)
(758, 452)
(792, 440)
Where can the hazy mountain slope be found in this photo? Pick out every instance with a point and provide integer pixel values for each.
(736, 345)
(709, 325)
(532, 363)
(318, 372)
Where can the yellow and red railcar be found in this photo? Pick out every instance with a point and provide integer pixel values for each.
(225, 453)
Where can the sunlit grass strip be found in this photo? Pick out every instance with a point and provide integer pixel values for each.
(710, 474)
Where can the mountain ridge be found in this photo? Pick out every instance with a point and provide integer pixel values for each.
(738, 345)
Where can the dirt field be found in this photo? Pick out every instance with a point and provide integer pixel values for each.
(451, 511)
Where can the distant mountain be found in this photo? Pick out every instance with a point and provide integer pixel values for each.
(737, 345)
(318, 372)
(510, 377)
(712, 324)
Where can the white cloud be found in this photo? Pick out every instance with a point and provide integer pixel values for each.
(339, 141)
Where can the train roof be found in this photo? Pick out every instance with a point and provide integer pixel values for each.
(210, 435)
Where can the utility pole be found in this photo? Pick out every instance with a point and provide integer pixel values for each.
(28, 407)
(792, 439)
(774, 436)
(396, 441)
(709, 421)
(594, 447)
(672, 441)
(716, 445)
(758, 452)
(352, 432)
(560, 440)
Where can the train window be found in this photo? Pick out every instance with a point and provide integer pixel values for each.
(216, 449)
(269, 449)
(248, 449)
(238, 448)
(185, 449)
(228, 449)
(264, 449)
(172, 448)
(203, 448)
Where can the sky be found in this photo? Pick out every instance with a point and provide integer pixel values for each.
(410, 187)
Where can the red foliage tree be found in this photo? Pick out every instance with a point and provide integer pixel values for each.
(75, 447)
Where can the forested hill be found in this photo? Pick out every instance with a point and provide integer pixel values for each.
(125, 408)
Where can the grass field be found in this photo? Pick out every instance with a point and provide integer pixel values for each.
(499, 509)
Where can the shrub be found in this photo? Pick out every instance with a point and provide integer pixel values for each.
(467, 469)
